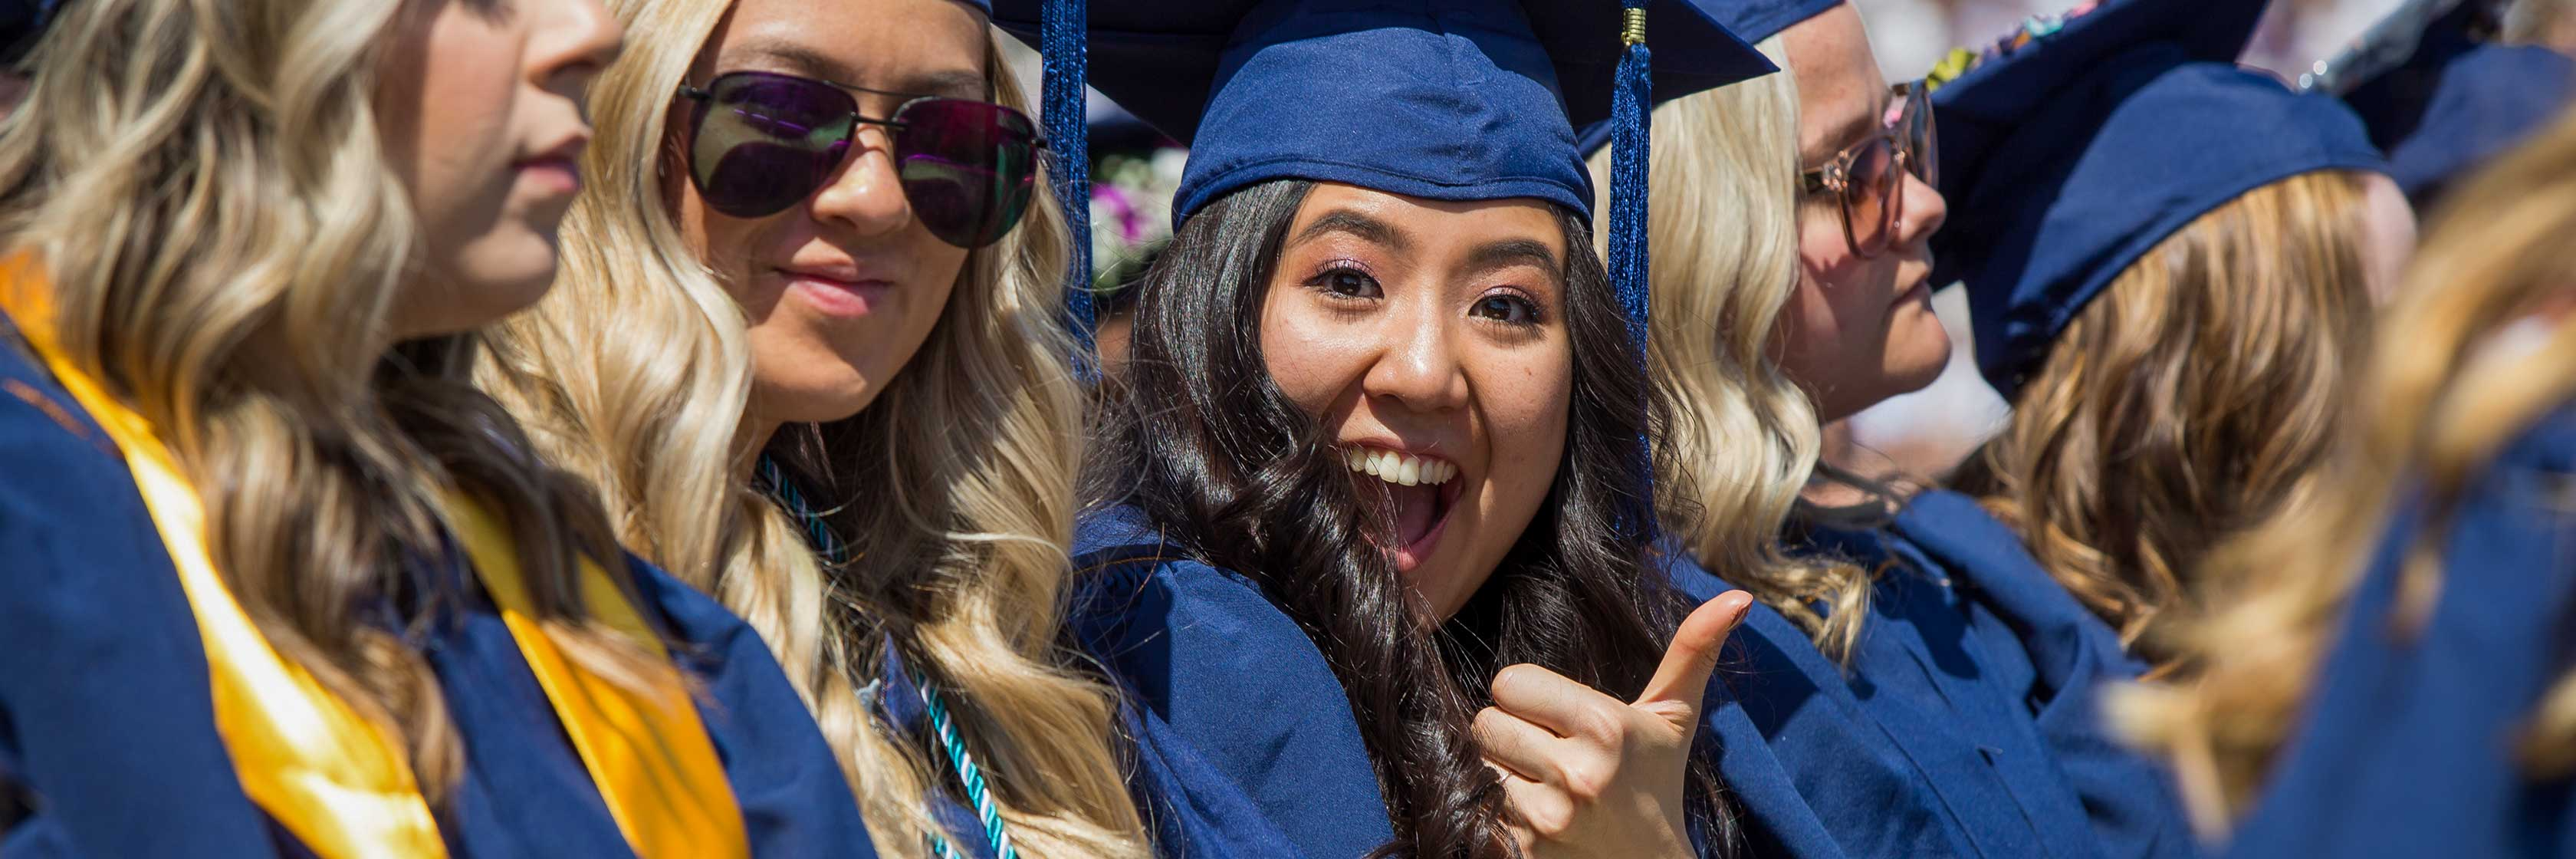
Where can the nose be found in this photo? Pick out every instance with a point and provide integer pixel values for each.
(1417, 367)
(572, 44)
(1924, 210)
(867, 193)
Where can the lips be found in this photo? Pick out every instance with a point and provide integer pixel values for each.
(558, 166)
(838, 292)
(1423, 490)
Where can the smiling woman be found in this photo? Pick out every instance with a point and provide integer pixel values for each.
(806, 344)
(1375, 467)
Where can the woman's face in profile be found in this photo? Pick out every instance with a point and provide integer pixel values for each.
(480, 107)
(1429, 338)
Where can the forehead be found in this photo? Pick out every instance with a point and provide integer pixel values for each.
(1434, 224)
(923, 47)
(1841, 94)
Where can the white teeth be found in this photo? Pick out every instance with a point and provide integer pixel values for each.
(1398, 468)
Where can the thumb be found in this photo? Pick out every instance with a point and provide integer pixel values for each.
(1683, 677)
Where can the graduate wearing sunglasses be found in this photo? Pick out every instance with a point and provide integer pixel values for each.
(1911, 683)
(807, 341)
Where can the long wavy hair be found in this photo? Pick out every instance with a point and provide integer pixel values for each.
(1741, 440)
(1241, 477)
(2444, 396)
(953, 491)
(204, 187)
(2191, 400)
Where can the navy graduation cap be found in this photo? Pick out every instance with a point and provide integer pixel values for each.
(1442, 99)
(1750, 20)
(2075, 146)
(2442, 100)
(21, 21)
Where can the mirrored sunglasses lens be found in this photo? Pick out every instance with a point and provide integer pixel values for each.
(969, 168)
(765, 142)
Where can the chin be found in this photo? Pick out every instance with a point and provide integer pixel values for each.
(817, 400)
(1916, 361)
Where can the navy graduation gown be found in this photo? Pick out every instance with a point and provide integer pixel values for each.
(1190, 810)
(1965, 724)
(1224, 676)
(2406, 747)
(108, 745)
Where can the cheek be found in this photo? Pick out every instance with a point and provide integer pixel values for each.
(460, 144)
(1526, 403)
(1309, 358)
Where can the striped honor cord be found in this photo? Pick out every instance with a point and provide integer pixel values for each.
(969, 774)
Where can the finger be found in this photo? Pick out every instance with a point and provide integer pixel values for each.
(1552, 701)
(1692, 658)
(1539, 811)
(1516, 746)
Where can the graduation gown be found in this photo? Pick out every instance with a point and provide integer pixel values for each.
(108, 742)
(2406, 747)
(1229, 685)
(1190, 811)
(1965, 725)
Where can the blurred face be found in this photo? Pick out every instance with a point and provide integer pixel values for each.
(480, 105)
(1860, 328)
(2390, 222)
(1429, 338)
(843, 288)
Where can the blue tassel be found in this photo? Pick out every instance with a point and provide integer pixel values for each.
(1068, 133)
(1629, 117)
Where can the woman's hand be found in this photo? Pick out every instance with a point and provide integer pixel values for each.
(1589, 775)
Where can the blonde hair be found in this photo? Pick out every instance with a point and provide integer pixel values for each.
(2442, 402)
(1742, 438)
(2190, 400)
(225, 243)
(2534, 22)
(953, 491)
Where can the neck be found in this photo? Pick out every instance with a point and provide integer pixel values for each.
(750, 440)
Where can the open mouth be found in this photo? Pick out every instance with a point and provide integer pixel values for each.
(1423, 490)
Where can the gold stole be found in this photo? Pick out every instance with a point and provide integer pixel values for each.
(335, 779)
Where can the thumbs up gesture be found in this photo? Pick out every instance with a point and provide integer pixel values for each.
(1590, 775)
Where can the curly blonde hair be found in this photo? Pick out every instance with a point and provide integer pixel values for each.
(953, 490)
(2441, 404)
(204, 185)
(1742, 439)
(2190, 400)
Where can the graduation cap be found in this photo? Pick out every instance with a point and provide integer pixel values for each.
(1442, 99)
(1456, 100)
(2439, 98)
(1750, 20)
(21, 22)
(2074, 146)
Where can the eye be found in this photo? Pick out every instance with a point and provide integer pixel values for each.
(1346, 282)
(1506, 308)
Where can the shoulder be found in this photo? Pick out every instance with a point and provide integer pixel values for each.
(1133, 585)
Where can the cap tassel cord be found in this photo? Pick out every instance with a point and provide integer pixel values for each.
(1068, 133)
(1629, 155)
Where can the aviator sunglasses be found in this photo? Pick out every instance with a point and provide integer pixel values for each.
(1867, 178)
(760, 142)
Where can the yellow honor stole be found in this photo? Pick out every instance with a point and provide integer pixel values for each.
(335, 779)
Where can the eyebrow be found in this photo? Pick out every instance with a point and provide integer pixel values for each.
(1855, 129)
(945, 83)
(1366, 228)
(1510, 252)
